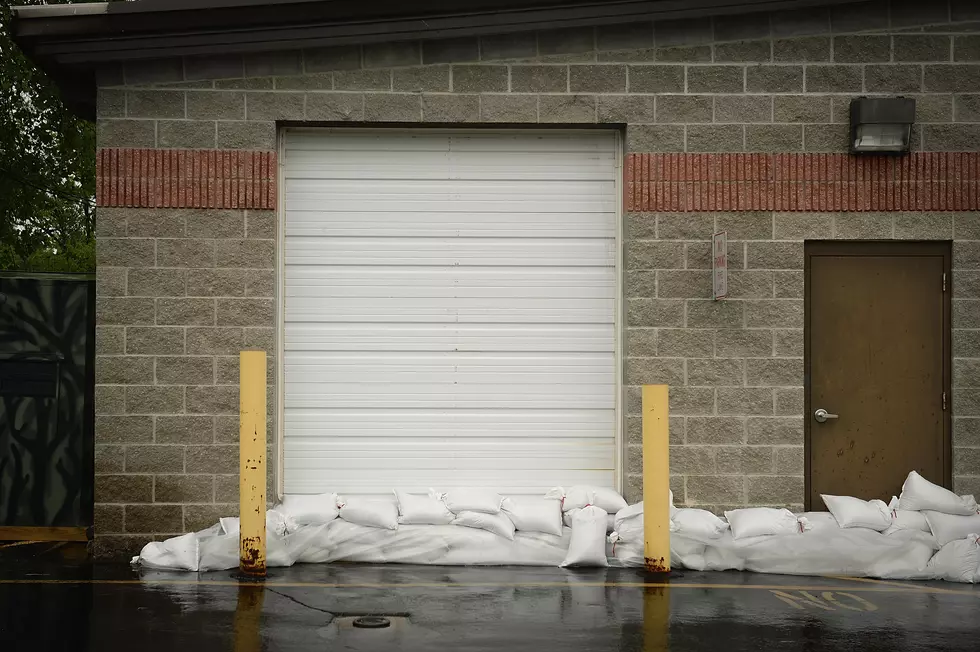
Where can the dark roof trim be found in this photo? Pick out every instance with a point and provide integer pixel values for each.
(70, 43)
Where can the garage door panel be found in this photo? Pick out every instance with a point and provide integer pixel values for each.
(450, 310)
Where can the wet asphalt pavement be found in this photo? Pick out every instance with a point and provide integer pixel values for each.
(54, 604)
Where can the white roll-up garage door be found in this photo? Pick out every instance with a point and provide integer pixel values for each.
(449, 310)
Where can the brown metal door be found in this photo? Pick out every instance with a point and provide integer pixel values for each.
(877, 357)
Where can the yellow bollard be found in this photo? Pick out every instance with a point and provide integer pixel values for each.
(656, 479)
(251, 459)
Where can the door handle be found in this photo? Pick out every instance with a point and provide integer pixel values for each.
(822, 415)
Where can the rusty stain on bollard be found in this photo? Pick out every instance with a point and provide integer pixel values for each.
(656, 565)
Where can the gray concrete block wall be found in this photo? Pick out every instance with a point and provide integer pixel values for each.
(179, 291)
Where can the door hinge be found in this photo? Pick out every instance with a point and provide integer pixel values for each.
(944, 281)
(944, 401)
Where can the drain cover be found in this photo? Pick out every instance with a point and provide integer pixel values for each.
(371, 622)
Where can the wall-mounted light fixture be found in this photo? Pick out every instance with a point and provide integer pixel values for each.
(881, 125)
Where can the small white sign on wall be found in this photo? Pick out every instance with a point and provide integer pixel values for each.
(719, 265)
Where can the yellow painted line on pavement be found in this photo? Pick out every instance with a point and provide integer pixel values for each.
(904, 585)
(18, 543)
(436, 585)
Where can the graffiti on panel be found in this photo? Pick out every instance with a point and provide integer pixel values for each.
(46, 399)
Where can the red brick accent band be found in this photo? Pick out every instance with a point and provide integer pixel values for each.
(182, 178)
(925, 181)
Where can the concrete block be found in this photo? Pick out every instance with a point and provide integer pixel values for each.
(154, 339)
(773, 138)
(893, 78)
(391, 54)
(123, 430)
(655, 312)
(684, 108)
(642, 342)
(332, 107)
(123, 310)
(966, 226)
(189, 134)
(220, 399)
(566, 41)
(656, 79)
(515, 45)
(480, 79)
(966, 313)
(716, 79)
(774, 255)
(108, 518)
(153, 71)
(215, 223)
(215, 105)
(124, 252)
(207, 67)
(605, 78)
(362, 80)
(742, 460)
(685, 343)
(790, 460)
(641, 226)
(627, 109)
(859, 226)
(740, 27)
(685, 226)
(567, 108)
(212, 459)
(789, 285)
(715, 372)
(715, 430)
(154, 459)
(275, 106)
(715, 138)
(825, 138)
(686, 401)
(774, 79)
(924, 226)
(226, 430)
(109, 459)
(714, 314)
(799, 22)
(624, 36)
(743, 108)
(643, 254)
(654, 371)
(951, 78)
(778, 313)
(260, 224)
(801, 108)
(267, 64)
(155, 104)
(110, 340)
(859, 16)
(153, 519)
(944, 138)
(743, 51)
(539, 79)
(509, 108)
(327, 59)
(153, 222)
(697, 255)
(921, 47)
(789, 401)
(803, 226)
(697, 460)
(967, 287)
(185, 370)
(226, 488)
(245, 312)
(183, 489)
(966, 108)
(862, 49)
(111, 222)
(384, 107)
(745, 401)
(737, 343)
(155, 282)
(966, 432)
(185, 429)
(686, 31)
(750, 284)
(110, 281)
(708, 489)
(774, 489)
(186, 312)
(184, 252)
(214, 341)
(249, 83)
(833, 79)
(684, 284)
(801, 50)
(750, 225)
(688, 54)
(789, 343)
(774, 372)
(912, 13)
(318, 81)
(260, 283)
(247, 135)
(425, 78)
(126, 133)
(966, 373)
(451, 50)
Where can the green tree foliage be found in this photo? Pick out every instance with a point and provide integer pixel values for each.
(47, 168)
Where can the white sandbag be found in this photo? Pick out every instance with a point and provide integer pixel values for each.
(310, 510)
(854, 512)
(534, 514)
(918, 494)
(580, 496)
(957, 561)
(697, 523)
(588, 543)
(818, 522)
(472, 500)
(177, 553)
(761, 521)
(499, 524)
(221, 552)
(275, 521)
(422, 510)
(372, 513)
(947, 527)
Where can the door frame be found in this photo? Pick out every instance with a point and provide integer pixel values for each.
(941, 248)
